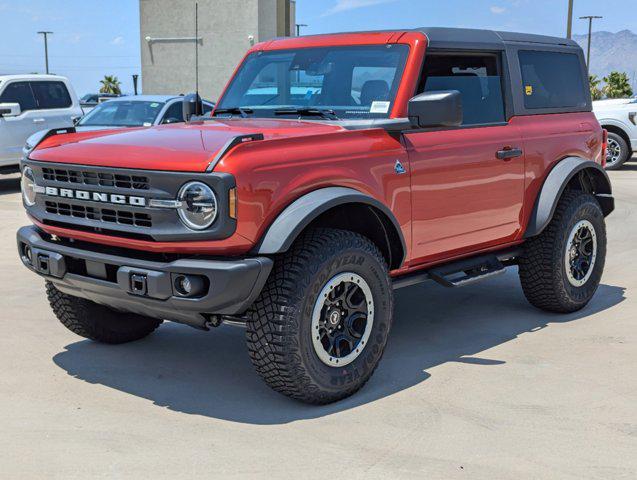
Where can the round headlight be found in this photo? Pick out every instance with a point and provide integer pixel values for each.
(198, 205)
(27, 185)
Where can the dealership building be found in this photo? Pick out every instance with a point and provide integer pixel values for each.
(226, 29)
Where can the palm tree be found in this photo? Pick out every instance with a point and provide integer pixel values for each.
(596, 92)
(110, 84)
(617, 85)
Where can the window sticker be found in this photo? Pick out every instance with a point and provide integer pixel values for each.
(379, 107)
(528, 90)
(147, 124)
(154, 105)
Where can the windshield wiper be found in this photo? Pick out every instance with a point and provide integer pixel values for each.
(244, 112)
(308, 111)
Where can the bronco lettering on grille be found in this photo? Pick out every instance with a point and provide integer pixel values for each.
(95, 196)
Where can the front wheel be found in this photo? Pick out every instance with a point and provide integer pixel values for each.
(320, 325)
(561, 268)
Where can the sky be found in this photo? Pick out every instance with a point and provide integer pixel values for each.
(93, 38)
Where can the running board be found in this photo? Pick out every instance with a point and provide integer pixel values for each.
(465, 272)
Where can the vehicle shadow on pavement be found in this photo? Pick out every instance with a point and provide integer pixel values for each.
(9, 185)
(210, 374)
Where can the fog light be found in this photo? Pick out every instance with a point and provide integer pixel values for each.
(28, 254)
(188, 285)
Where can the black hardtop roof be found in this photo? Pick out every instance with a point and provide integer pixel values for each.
(471, 38)
(467, 38)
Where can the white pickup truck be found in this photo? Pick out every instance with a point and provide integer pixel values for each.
(619, 117)
(29, 103)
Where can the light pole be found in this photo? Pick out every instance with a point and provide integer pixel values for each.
(298, 28)
(590, 19)
(569, 21)
(46, 49)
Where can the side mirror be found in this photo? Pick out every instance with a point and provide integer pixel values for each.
(10, 109)
(440, 108)
(192, 106)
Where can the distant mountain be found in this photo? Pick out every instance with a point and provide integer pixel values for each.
(612, 51)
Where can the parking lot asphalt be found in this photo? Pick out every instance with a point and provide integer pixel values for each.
(475, 384)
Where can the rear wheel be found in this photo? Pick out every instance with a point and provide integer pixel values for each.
(561, 268)
(96, 322)
(617, 151)
(319, 327)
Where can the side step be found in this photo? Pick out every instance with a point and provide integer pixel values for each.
(465, 272)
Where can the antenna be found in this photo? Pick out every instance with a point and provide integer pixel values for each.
(197, 48)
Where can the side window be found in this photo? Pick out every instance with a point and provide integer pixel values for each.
(174, 113)
(476, 77)
(19, 92)
(552, 80)
(51, 95)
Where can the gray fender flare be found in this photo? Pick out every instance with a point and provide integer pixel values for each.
(300, 213)
(554, 186)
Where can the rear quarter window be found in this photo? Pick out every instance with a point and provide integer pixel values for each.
(552, 80)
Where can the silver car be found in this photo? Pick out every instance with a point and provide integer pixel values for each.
(126, 112)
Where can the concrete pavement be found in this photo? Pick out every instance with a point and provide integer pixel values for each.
(475, 384)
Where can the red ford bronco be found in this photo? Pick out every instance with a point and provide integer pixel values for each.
(334, 170)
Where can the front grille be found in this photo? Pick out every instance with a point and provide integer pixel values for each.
(132, 182)
(110, 215)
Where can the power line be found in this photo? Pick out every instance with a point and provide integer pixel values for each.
(68, 56)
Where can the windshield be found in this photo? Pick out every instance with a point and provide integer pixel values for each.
(130, 113)
(89, 97)
(347, 82)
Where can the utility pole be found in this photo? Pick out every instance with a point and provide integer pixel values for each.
(590, 19)
(46, 49)
(569, 21)
(298, 28)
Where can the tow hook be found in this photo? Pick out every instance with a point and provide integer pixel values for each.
(138, 284)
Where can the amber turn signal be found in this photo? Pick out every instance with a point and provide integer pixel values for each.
(232, 203)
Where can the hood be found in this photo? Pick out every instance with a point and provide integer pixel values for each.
(178, 147)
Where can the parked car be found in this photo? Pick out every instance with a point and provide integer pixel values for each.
(619, 118)
(126, 112)
(137, 111)
(29, 103)
(299, 211)
(89, 101)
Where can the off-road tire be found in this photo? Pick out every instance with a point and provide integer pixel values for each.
(279, 335)
(542, 266)
(96, 322)
(625, 151)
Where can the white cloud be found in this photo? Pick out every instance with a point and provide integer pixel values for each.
(345, 5)
(119, 40)
(497, 10)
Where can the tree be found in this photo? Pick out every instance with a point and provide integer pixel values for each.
(110, 84)
(617, 85)
(596, 92)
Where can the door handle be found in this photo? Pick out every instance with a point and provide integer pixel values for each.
(38, 120)
(507, 153)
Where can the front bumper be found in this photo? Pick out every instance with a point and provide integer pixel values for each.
(230, 286)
